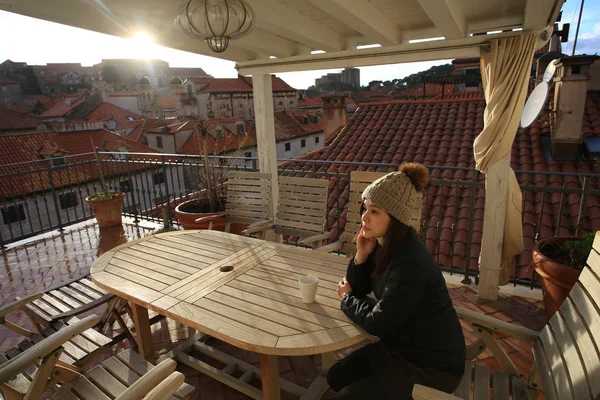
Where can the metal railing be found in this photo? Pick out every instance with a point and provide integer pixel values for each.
(41, 196)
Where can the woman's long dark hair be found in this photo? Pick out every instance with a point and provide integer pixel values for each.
(390, 245)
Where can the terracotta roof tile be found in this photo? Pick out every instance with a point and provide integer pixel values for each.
(108, 111)
(44, 100)
(13, 120)
(431, 90)
(61, 108)
(31, 147)
(440, 133)
(240, 84)
(21, 108)
(167, 103)
(5, 81)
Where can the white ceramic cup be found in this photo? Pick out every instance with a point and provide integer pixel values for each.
(308, 287)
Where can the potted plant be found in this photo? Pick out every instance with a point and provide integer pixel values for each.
(209, 180)
(107, 206)
(559, 261)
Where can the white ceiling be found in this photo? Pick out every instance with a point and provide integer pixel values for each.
(290, 29)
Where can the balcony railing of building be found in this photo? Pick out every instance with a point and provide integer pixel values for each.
(47, 195)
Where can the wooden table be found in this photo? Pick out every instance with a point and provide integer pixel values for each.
(256, 306)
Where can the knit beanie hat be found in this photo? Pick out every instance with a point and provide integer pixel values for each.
(399, 193)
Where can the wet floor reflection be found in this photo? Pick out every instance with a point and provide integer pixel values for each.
(46, 262)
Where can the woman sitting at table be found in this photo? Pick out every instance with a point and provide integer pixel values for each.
(421, 340)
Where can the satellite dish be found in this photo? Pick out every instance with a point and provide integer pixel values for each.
(535, 104)
(550, 71)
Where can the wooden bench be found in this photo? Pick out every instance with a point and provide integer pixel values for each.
(566, 350)
(301, 211)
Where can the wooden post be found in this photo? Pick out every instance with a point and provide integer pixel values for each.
(262, 89)
(142, 332)
(492, 241)
(269, 371)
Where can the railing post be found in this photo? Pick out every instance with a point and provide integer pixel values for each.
(467, 278)
(169, 211)
(54, 198)
(130, 182)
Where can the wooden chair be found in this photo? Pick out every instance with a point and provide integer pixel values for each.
(73, 298)
(566, 350)
(78, 351)
(358, 182)
(124, 376)
(248, 195)
(301, 212)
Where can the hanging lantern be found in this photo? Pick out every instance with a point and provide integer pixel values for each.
(215, 21)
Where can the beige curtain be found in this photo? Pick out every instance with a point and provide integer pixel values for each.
(505, 70)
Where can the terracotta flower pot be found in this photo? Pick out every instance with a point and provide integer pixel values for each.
(557, 279)
(187, 219)
(108, 212)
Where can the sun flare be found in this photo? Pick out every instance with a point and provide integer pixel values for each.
(142, 45)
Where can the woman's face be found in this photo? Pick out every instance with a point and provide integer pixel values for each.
(375, 221)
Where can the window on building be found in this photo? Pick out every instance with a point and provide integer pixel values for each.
(125, 186)
(240, 129)
(219, 132)
(291, 102)
(59, 161)
(13, 213)
(303, 143)
(248, 154)
(158, 178)
(592, 147)
(240, 106)
(68, 200)
(317, 139)
(159, 142)
(288, 146)
(281, 103)
(315, 119)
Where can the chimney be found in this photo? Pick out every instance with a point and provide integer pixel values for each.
(570, 91)
(334, 113)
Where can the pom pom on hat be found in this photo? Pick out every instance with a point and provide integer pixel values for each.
(399, 193)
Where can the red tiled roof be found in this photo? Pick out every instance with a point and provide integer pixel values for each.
(230, 142)
(21, 108)
(13, 120)
(173, 128)
(22, 148)
(5, 81)
(465, 96)
(222, 85)
(311, 102)
(107, 111)
(63, 107)
(45, 101)
(289, 125)
(431, 90)
(441, 133)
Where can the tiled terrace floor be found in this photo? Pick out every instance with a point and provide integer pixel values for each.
(44, 262)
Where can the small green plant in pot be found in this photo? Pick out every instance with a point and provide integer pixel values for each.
(559, 261)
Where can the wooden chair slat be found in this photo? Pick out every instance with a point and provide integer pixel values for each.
(587, 311)
(556, 364)
(481, 389)
(87, 390)
(591, 283)
(501, 385)
(90, 284)
(519, 388)
(63, 297)
(105, 381)
(307, 182)
(464, 387)
(87, 290)
(568, 349)
(583, 341)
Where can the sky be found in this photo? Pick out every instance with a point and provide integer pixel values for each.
(40, 42)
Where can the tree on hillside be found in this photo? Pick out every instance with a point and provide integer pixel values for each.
(418, 78)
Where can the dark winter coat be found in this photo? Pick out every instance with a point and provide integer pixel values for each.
(414, 316)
